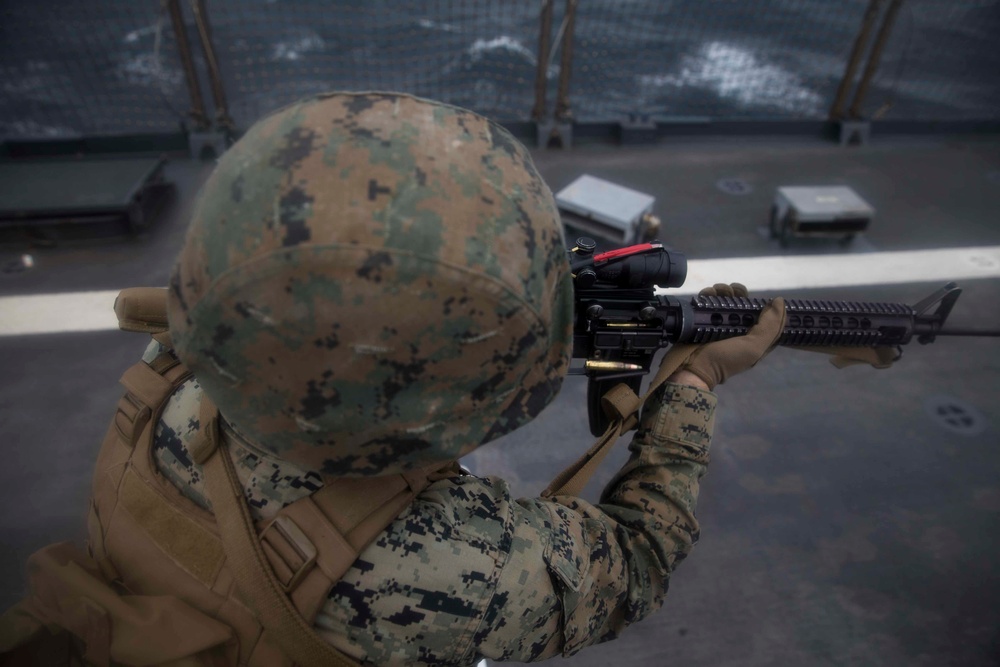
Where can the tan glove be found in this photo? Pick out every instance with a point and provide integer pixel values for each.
(842, 357)
(716, 362)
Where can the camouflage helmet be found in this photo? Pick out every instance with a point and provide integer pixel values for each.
(372, 282)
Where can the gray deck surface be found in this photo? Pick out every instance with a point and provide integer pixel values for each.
(841, 523)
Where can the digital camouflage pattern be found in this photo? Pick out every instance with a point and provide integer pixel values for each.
(372, 282)
(469, 572)
(269, 484)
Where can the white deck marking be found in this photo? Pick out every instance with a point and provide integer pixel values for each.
(58, 313)
(769, 274)
(93, 311)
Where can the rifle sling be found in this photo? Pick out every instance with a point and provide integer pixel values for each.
(250, 567)
(620, 404)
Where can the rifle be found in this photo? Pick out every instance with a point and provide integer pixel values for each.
(620, 322)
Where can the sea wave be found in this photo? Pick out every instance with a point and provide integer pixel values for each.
(27, 81)
(488, 76)
(298, 45)
(483, 48)
(147, 69)
(437, 25)
(133, 36)
(504, 52)
(30, 129)
(737, 74)
(37, 81)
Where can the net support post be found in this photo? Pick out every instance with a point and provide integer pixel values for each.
(636, 128)
(854, 132)
(207, 144)
(554, 134)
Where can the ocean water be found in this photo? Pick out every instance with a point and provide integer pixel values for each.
(112, 66)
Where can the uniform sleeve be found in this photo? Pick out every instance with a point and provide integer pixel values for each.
(606, 565)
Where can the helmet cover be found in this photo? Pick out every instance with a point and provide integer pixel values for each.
(372, 282)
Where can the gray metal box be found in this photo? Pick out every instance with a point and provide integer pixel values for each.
(607, 210)
(819, 210)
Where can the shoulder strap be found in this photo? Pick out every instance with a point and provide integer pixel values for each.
(285, 573)
(313, 541)
(621, 405)
(148, 386)
(254, 577)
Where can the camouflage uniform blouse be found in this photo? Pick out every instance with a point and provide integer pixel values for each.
(469, 572)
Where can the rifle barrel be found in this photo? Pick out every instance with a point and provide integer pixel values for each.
(966, 332)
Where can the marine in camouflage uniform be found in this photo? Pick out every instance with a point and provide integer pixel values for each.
(373, 282)
(470, 572)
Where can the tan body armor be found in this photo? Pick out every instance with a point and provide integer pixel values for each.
(155, 541)
(144, 533)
